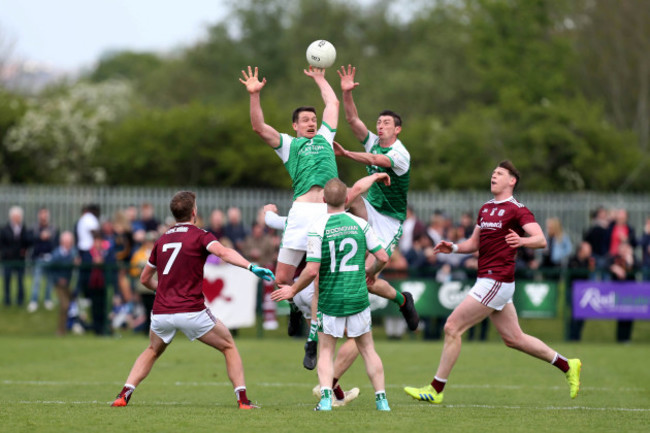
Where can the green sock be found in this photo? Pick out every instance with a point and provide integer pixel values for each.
(380, 395)
(313, 332)
(326, 393)
(399, 298)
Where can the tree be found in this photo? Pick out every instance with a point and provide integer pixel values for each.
(59, 133)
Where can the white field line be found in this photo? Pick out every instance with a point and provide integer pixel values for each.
(441, 407)
(310, 385)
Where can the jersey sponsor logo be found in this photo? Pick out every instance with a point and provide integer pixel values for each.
(181, 229)
(338, 231)
(491, 226)
(309, 148)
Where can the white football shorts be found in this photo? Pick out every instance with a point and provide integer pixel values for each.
(492, 293)
(193, 325)
(303, 300)
(356, 324)
(301, 216)
(387, 229)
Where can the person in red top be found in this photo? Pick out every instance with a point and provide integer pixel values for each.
(176, 262)
(502, 226)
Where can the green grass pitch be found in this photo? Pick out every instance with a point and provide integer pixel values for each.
(51, 384)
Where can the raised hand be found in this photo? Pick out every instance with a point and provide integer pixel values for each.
(347, 78)
(314, 72)
(251, 81)
(383, 178)
(338, 149)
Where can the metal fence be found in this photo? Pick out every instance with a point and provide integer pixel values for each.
(65, 203)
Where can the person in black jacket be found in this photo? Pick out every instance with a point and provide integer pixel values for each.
(14, 242)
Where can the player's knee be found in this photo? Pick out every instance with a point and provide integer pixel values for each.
(511, 341)
(452, 329)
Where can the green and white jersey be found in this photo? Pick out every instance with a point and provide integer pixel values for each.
(389, 200)
(338, 241)
(309, 161)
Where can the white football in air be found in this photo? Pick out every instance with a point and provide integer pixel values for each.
(321, 54)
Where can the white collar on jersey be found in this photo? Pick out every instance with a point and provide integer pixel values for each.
(503, 201)
(183, 224)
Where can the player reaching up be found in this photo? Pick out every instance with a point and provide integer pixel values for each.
(309, 159)
(336, 253)
(175, 273)
(385, 206)
(502, 226)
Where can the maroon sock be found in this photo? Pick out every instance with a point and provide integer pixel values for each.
(126, 393)
(561, 363)
(241, 395)
(338, 391)
(438, 385)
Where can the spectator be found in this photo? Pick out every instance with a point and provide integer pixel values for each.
(101, 275)
(468, 223)
(60, 269)
(122, 248)
(14, 242)
(645, 250)
(235, 230)
(216, 227)
(412, 229)
(582, 266)
(559, 247)
(87, 226)
(147, 218)
(46, 239)
(436, 228)
(259, 247)
(622, 267)
(138, 262)
(620, 232)
(598, 237)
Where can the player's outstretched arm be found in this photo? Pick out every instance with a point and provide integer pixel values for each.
(231, 256)
(351, 114)
(254, 87)
(363, 157)
(363, 185)
(535, 238)
(272, 219)
(331, 111)
(306, 277)
(468, 246)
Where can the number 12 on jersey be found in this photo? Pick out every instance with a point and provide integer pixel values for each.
(344, 261)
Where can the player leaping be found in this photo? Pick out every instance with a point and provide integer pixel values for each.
(385, 206)
(309, 159)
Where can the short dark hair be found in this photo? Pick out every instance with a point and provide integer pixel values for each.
(396, 117)
(297, 111)
(508, 165)
(182, 205)
(335, 192)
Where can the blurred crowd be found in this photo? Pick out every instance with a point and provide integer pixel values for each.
(94, 267)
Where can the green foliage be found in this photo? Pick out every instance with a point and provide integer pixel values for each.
(12, 108)
(475, 81)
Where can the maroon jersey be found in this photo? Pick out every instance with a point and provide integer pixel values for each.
(496, 259)
(179, 256)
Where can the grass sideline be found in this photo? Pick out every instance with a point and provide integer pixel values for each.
(51, 384)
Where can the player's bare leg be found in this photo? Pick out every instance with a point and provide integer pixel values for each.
(374, 368)
(404, 300)
(141, 368)
(345, 357)
(507, 324)
(326, 347)
(467, 314)
(221, 339)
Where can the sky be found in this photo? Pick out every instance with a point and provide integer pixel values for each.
(69, 35)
